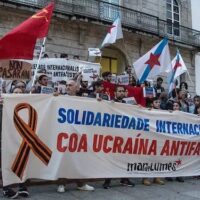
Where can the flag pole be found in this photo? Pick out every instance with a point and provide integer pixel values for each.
(38, 62)
(190, 78)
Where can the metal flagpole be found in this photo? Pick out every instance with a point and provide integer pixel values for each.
(38, 62)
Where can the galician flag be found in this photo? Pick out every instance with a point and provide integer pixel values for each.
(114, 33)
(154, 62)
(178, 67)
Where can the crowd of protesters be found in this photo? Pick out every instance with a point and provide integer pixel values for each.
(179, 99)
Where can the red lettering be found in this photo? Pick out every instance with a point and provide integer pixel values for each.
(192, 148)
(143, 146)
(82, 144)
(197, 150)
(128, 146)
(60, 146)
(97, 142)
(153, 148)
(135, 150)
(174, 148)
(165, 149)
(183, 145)
(73, 142)
(107, 138)
(117, 146)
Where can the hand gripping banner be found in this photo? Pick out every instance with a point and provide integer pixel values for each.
(30, 140)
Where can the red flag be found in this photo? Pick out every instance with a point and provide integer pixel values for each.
(136, 92)
(20, 42)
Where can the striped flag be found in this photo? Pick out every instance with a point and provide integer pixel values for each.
(178, 68)
(114, 33)
(154, 62)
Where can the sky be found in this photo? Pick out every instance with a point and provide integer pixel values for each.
(195, 14)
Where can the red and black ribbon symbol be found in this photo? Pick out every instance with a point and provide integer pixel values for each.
(30, 140)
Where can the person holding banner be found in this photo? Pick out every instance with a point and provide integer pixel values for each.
(16, 83)
(98, 91)
(119, 95)
(72, 87)
(197, 110)
(155, 104)
(176, 107)
(196, 103)
(182, 97)
(84, 91)
(21, 85)
(8, 192)
(17, 90)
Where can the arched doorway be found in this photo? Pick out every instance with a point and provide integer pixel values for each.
(113, 60)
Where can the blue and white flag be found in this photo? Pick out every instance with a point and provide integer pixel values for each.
(178, 67)
(114, 33)
(154, 62)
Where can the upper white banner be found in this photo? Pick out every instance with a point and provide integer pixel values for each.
(60, 69)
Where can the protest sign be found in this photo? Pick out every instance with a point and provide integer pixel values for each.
(62, 69)
(90, 74)
(94, 52)
(114, 79)
(15, 70)
(75, 138)
(46, 90)
(123, 79)
(149, 92)
(130, 100)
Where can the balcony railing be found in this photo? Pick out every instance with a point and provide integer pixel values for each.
(106, 12)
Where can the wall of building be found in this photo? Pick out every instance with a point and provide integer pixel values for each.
(158, 9)
(74, 37)
(195, 4)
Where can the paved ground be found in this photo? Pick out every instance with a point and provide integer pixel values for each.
(189, 190)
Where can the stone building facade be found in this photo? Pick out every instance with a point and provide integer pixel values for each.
(80, 24)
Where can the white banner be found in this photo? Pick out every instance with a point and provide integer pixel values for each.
(76, 137)
(94, 52)
(62, 69)
(90, 74)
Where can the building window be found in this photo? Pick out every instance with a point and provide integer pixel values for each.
(173, 17)
(110, 11)
(109, 64)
